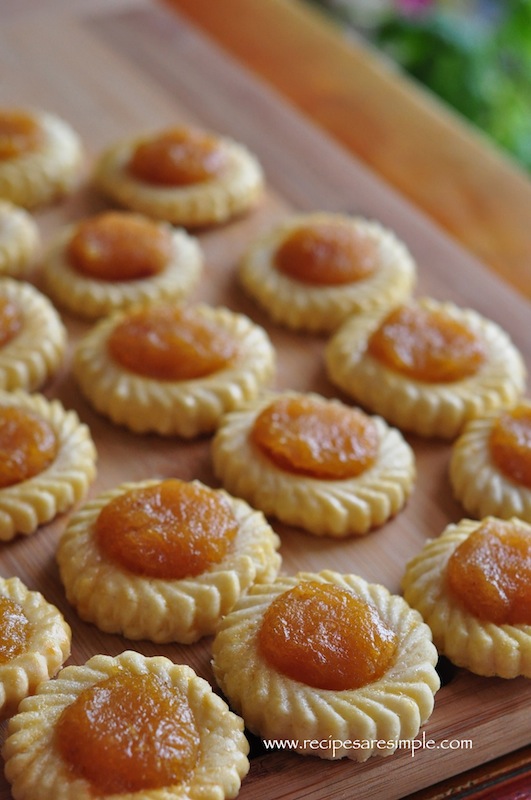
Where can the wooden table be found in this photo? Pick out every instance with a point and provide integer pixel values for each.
(336, 126)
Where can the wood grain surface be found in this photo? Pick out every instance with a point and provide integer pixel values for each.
(122, 70)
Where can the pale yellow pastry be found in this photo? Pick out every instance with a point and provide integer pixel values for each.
(47, 461)
(314, 270)
(19, 240)
(136, 727)
(34, 642)
(33, 338)
(41, 157)
(490, 465)
(173, 370)
(164, 560)
(426, 366)
(330, 661)
(314, 463)
(183, 175)
(116, 259)
(472, 585)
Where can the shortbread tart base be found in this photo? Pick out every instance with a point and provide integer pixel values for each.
(26, 505)
(48, 646)
(480, 646)
(19, 241)
(235, 190)
(277, 707)
(428, 409)
(37, 351)
(183, 408)
(335, 508)
(303, 306)
(38, 177)
(480, 486)
(38, 772)
(118, 601)
(91, 298)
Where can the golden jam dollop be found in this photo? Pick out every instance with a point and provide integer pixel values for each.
(129, 733)
(326, 637)
(20, 134)
(10, 320)
(490, 573)
(14, 630)
(28, 445)
(169, 530)
(324, 253)
(510, 444)
(177, 157)
(315, 437)
(427, 345)
(119, 247)
(170, 343)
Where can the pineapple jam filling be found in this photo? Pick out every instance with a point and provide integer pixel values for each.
(165, 342)
(170, 530)
(14, 630)
(28, 445)
(129, 733)
(10, 320)
(118, 247)
(326, 255)
(177, 157)
(19, 134)
(326, 637)
(427, 345)
(490, 573)
(510, 444)
(316, 438)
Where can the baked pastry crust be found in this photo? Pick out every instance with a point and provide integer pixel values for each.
(48, 646)
(27, 505)
(483, 647)
(428, 409)
(235, 190)
(118, 601)
(303, 306)
(37, 351)
(275, 706)
(19, 240)
(479, 485)
(36, 770)
(40, 176)
(335, 508)
(183, 408)
(91, 298)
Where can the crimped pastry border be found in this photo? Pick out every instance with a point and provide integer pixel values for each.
(277, 707)
(184, 610)
(19, 241)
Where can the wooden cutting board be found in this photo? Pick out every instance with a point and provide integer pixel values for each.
(117, 72)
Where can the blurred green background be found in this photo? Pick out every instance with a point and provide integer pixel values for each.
(475, 55)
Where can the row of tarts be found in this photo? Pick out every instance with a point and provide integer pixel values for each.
(317, 657)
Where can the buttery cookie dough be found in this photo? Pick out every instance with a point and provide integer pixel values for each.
(19, 241)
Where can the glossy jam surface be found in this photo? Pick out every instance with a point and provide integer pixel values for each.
(129, 733)
(427, 345)
(119, 247)
(326, 254)
(490, 573)
(14, 630)
(170, 530)
(169, 343)
(28, 445)
(177, 157)
(19, 134)
(510, 444)
(326, 637)
(316, 437)
(10, 320)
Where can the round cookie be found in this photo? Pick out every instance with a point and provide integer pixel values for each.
(19, 241)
